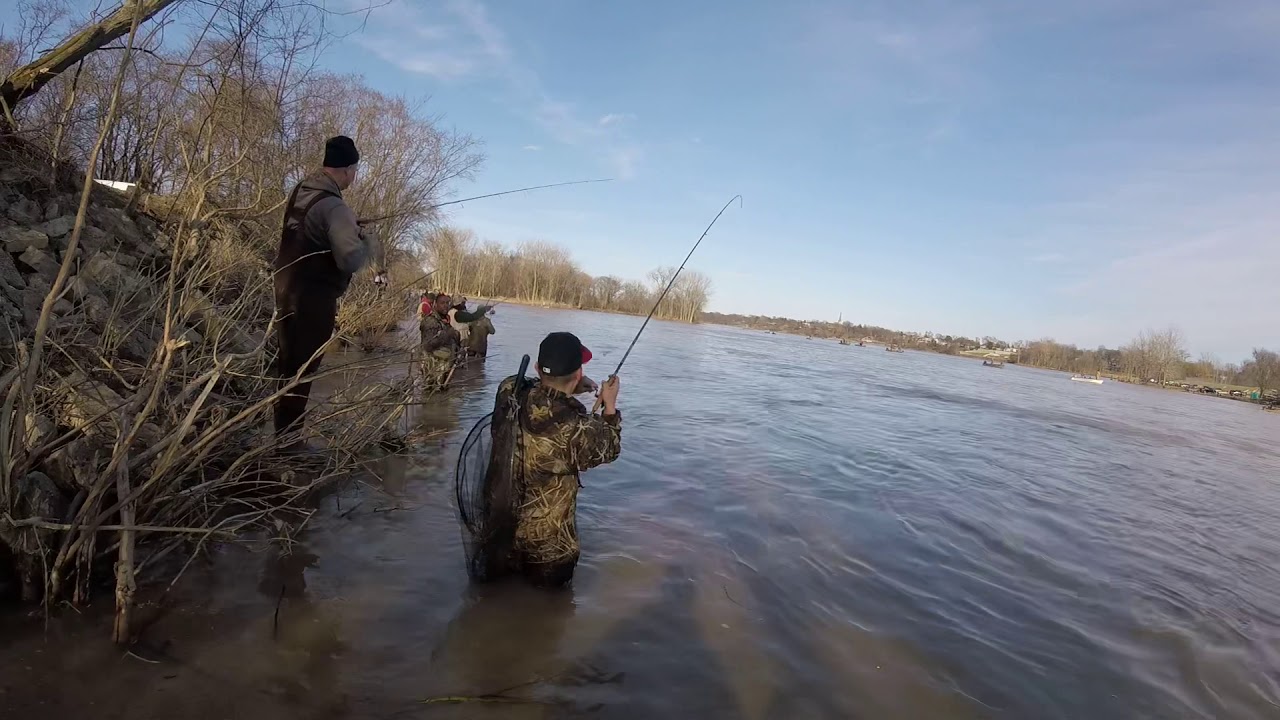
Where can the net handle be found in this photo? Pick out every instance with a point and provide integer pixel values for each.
(524, 367)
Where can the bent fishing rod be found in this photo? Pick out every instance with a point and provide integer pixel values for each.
(437, 206)
(667, 289)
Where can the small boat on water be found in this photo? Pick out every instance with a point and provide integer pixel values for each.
(993, 363)
(844, 341)
(1095, 380)
(893, 348)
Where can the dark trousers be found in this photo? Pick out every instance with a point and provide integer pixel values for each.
(549, 575)
(306, 324)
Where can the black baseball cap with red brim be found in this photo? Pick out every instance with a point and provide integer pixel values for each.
(562, 353)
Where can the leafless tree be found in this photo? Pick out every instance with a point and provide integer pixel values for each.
(544, 273)
(218, 128)
(1264, 369)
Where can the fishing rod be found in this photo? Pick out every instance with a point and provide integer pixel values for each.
(673, 282)
(667, 289)
(383, 285)
(424, 277)
(482, 197)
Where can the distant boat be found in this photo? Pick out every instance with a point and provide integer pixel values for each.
(993, 362)
(893, 348)
(844, 341)
(1096, 380)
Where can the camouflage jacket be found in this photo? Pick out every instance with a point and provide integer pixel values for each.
(560, 440)
(437, 333)
(478, 339)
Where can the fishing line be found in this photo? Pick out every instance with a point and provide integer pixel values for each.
(673, 282)
(482, 197)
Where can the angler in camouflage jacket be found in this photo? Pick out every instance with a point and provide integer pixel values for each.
(560, 439)
(440, 343)
(477, 341)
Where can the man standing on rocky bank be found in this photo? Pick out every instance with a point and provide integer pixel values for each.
(321, 247)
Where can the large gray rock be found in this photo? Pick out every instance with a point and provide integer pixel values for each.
(81, 288)
(98, 309)
(125, 259)
(116, 222)
(75, 465)
(39, 430)
(34, 496)
(17, 239)
(92, 240)
(58, 226)
(131, 343)
(40, 262)
(32, 300)
(31, 303)
(11, 330)
(9, 274)
(39, 284)
(76, 324)
(25, 212)
(109, 274)
(147, 249)
(84, 402)
(52, 209)
(10, 317)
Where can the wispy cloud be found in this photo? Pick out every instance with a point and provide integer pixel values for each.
(458, 43)
(913, 54)
(1209, 271)
(625, 160)
(613, 119)
(465, 44)
(1048, 258)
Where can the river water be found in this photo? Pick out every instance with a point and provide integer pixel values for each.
(795, 529)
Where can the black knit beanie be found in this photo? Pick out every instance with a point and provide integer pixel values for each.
(340, 151)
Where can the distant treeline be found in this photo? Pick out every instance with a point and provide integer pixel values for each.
(1156, 355)
(946, 344)
(1153, 355)
(544, 273)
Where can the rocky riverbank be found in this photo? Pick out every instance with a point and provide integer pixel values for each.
(141, 424)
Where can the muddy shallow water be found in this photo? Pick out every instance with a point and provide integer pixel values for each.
(795, 529)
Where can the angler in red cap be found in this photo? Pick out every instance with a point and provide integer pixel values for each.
(558, 439)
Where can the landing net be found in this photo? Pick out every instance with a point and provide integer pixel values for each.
(489, 485)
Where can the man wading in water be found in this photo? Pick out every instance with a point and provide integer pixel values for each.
(478, 332)
(559, 440)
(440, 343)
(321, 247)
(461, 320)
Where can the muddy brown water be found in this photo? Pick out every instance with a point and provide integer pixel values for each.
(796, 529)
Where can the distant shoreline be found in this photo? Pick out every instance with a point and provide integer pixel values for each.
(970, 354)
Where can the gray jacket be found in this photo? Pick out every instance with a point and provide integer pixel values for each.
(331, 224)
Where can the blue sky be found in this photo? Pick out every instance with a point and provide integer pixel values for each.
(1080, 170)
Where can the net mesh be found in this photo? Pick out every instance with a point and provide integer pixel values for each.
(489, 484)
